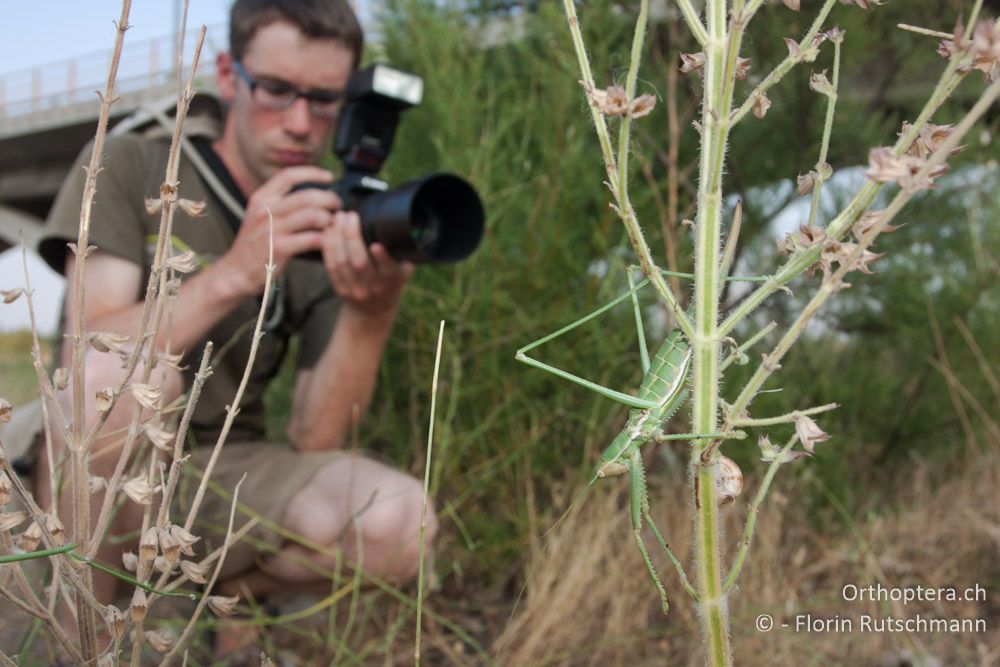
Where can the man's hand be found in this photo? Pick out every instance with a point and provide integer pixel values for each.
(367, 279)
(299, 220)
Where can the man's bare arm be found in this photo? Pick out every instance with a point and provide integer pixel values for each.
(370, 284)
(325, 397)
(111, 303)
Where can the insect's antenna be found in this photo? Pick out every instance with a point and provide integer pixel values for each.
(569, 510)
(639, 330)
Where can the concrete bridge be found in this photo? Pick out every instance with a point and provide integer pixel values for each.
(48, 113)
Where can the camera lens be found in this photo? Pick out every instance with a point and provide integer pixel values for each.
(426, 229)
(438, 218)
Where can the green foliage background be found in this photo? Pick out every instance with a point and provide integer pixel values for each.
(512, 443)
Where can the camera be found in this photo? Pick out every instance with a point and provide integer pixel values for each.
(433, 219)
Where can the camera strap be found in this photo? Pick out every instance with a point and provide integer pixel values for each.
(220, 183)
(225, 183)
(209, 166)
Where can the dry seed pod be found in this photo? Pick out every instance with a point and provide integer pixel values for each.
(195, 572)
(186, 539)
(170, 360)
(11, 520)
(169, 546)
(104, 399)
(761, 104)
(130, 561)
(116, 621)
(139, 606)
(60, 378)
(184, 262)
(11, 295)
(148, 395)
(161, 438)
(148, 546)
(728, 480)
(104, 341)
(160, 640)
(140, 490)
(164, 565)
(222, 605)
(96, 484)
(4, 488)
(56, 530)
(29, 539)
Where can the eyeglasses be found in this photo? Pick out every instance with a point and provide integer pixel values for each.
(277, 95)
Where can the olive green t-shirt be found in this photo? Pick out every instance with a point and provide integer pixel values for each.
(134, 167)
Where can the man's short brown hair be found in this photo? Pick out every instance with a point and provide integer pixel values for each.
(321, 19)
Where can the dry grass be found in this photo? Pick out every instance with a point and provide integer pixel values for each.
(588, 601)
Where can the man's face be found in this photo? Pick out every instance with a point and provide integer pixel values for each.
(259, 141)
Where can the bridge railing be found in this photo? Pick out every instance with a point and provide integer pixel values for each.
(144, 64)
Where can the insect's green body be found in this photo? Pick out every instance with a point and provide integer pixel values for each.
(661, 393)
(663, 386)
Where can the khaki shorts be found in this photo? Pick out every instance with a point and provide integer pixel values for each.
(274, 474)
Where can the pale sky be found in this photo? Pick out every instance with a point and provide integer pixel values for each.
(43, 31)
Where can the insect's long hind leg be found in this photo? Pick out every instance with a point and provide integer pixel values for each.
(627, 399)
(670, 553)
(640, 508)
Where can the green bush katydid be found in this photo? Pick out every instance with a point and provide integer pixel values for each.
(660, 394)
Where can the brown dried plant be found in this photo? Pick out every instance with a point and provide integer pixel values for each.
(165, 547)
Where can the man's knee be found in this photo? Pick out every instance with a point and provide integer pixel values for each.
(393, 518)
(391, 529)
(385, 510)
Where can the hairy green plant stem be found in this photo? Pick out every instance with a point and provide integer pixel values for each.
(626, 124)
(704, 331)
(693, 22)
(822, 167)
(721, 52)
(624, 208)
(783, 419)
